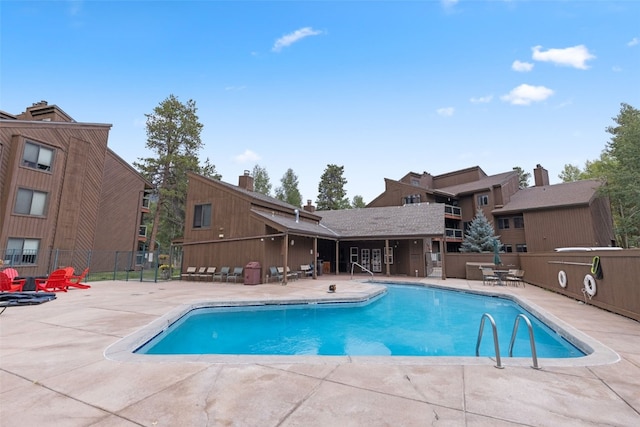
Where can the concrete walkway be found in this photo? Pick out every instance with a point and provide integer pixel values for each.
(61, 364)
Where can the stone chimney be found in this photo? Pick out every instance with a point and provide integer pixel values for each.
(309, 207)
(246, 181)
(540, 176)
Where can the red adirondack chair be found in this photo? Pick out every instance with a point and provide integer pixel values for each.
(56, 282)
(9, 285)
(74, 281)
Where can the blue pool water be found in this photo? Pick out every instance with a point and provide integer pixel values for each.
(405, 321)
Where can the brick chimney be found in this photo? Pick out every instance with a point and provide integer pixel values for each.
(540, 176)
(246, 181)
(309, 207)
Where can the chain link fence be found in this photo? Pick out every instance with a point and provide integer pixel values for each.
(103, 265)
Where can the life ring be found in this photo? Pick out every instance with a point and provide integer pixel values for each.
(562, 278)
(590, 285)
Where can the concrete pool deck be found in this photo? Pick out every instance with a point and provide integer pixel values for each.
(60, 365)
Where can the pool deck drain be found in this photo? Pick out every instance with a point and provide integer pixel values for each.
(60, 364)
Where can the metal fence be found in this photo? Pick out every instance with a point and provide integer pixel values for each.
(103, 265)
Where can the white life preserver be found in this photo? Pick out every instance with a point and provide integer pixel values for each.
(562, 278)
(590, 284)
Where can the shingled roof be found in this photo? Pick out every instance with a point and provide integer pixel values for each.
(552, 196)
(413, 220)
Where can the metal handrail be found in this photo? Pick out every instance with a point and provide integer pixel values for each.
(495, 339)
(534, 356)
(363, 269)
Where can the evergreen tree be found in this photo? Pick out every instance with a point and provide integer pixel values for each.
(261, 183)
(523, 177)
(570, 173)
(481, 236)
(623, 175)
(331, 193)
(288, 191)
(358, 202)
(173, 135)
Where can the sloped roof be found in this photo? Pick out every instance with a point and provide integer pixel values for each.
(289, 224)
(482, 184)
(392, 221)
(552, 196)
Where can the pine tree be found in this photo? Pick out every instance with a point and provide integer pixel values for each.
(481, 236)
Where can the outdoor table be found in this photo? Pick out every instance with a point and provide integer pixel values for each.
(501, 275)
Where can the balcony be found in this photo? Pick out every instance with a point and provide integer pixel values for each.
(452, 211)
(454, 234)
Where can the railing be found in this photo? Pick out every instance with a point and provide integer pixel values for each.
(452, 210)
(534, 356)
(454, 232)
(495, 339)
(353, 264)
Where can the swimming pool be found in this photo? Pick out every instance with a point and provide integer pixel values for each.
(405, 321)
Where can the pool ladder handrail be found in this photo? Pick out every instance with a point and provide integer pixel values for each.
(495, 338)
(532, 341)
(353, 264)
(534, 356)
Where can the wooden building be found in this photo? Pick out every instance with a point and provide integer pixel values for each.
(63, 189)
(534, 219)
(228, 225)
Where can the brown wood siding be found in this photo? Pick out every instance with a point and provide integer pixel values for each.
(458, 177)
(603, 222)
(559, 226)
(74, 187)
(120, 212)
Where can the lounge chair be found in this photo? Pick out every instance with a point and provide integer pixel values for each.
(10, 285)
(275, 274)
(222, 274)
(290, 275)
(306, 270)
(11, 273)
(189, 274)
(489, 277)
(56, 282)
(237, 272)
(208, 274)
(201, 272)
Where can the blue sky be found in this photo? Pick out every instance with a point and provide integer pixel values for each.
(379, 87)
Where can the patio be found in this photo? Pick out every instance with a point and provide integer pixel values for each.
(53, 370)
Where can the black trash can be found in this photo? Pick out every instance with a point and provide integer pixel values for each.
(252, 273)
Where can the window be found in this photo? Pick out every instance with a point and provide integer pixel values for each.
(518, 222)
(30, 202)
(408, 200)
(202, 216)
(521, 248)
(21, 251)
(507, 248)
(483, 200)
(503, 223)
(388, 255)
(37, 157)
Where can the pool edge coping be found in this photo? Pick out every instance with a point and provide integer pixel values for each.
(123, 349)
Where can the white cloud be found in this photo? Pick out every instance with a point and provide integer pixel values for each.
(634, 41)
(526, 94)
(482, 99)
(449, 3)
(247, 157)
(616, 69)
(521, 66)
(575, 56)
(294, 37)
(446, 111)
